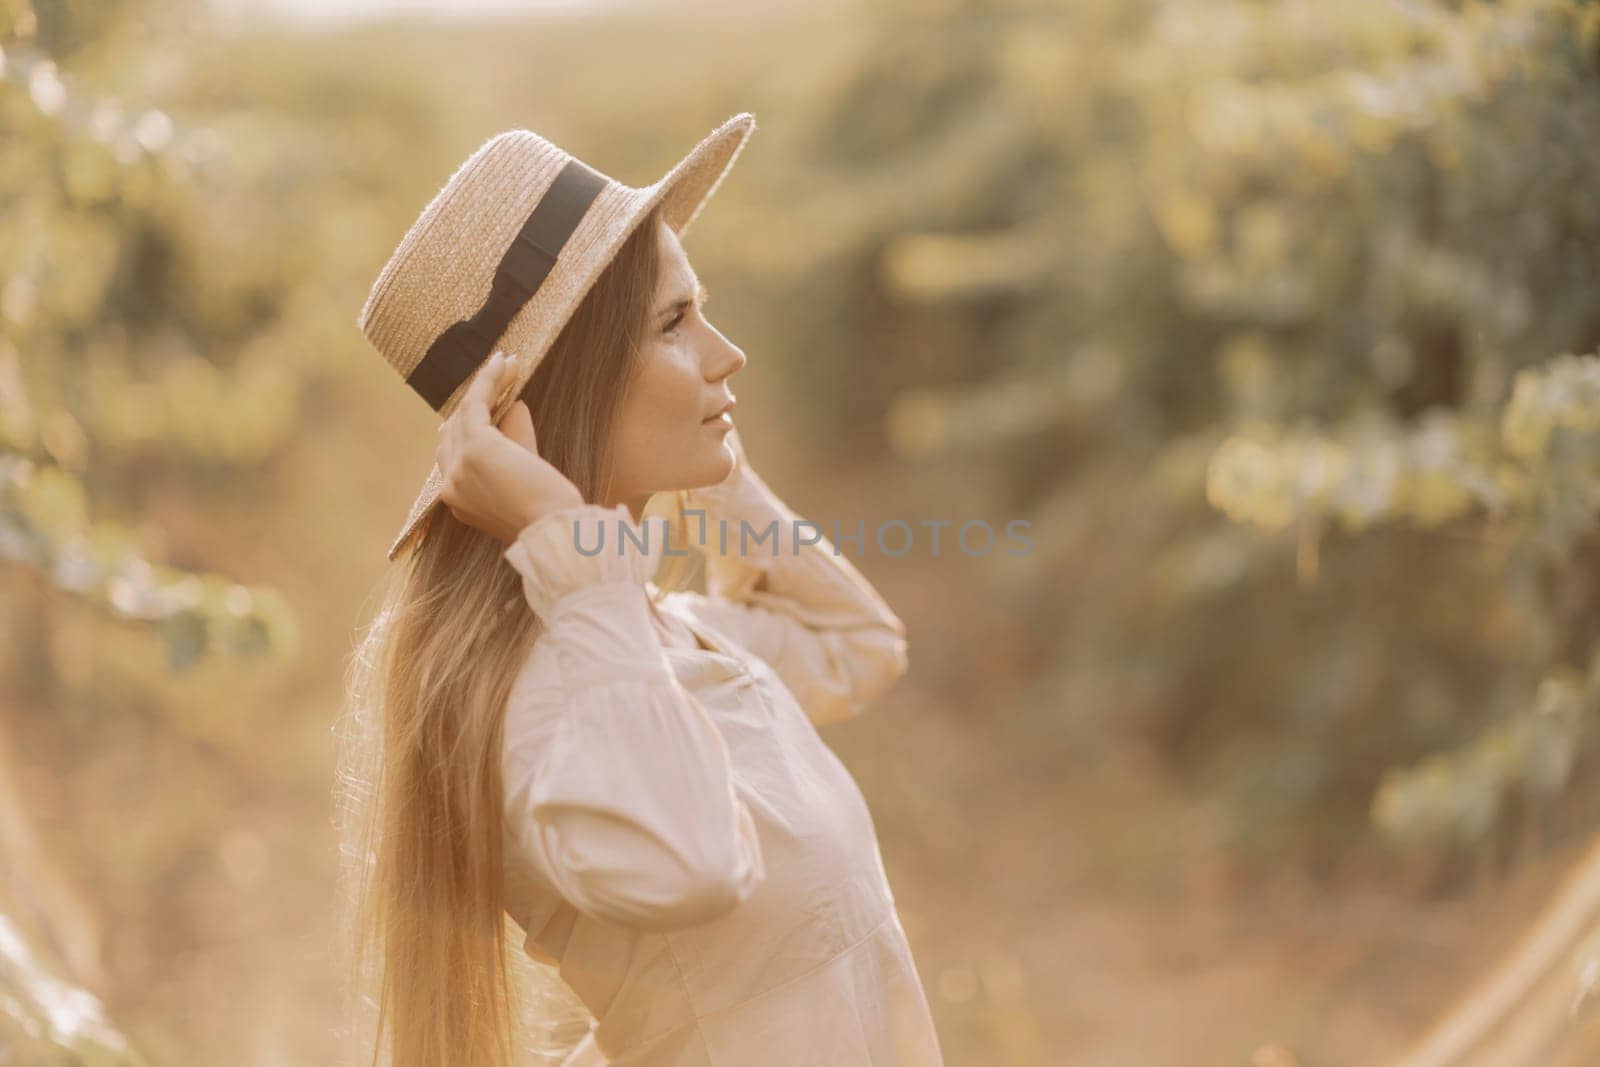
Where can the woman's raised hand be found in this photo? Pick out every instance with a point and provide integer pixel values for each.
(494, 478)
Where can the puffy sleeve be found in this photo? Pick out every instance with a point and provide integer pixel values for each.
(618, 786)
(780, 587)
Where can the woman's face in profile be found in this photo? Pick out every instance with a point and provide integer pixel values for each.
(668, 435)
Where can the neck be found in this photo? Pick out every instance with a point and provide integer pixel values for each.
(635, 502)
(636, 505)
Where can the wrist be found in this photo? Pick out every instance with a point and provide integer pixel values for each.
(584, 552)
(536, 507)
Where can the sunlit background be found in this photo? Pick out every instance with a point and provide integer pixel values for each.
(1278, 321)
(323, 14)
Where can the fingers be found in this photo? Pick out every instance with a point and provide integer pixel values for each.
(471, 418)
(484, 386)
(473, 412)
(517, 424)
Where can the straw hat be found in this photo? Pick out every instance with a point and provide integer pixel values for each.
(504, 254)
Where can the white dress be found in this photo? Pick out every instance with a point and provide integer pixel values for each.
(681, 844)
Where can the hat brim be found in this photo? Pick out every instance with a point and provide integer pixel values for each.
(682, 192)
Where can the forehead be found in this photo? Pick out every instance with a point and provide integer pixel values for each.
(675, 269)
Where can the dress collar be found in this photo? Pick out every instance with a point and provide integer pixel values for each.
(712, 640)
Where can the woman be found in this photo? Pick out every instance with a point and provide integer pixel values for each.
(631, 772)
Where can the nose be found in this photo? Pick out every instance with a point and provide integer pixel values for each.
(726, 358)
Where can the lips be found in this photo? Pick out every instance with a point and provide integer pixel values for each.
(726, 409)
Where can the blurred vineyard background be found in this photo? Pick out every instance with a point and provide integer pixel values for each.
(1278, 321)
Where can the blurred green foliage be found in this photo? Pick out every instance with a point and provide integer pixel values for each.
(1323, 270)
(117, 371)
(110, 358)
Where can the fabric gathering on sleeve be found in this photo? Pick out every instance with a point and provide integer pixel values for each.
(618, 785)
(779, 585)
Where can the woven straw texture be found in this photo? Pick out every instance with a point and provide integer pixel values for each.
(442, 269)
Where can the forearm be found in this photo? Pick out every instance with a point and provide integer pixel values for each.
(619, 786)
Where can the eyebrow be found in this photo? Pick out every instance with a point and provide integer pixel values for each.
(683, 302)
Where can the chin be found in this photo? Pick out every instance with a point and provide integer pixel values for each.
(717, 466)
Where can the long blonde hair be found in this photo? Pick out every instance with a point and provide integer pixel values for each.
(419, 800)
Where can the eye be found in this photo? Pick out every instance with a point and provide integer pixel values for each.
(702, 297)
